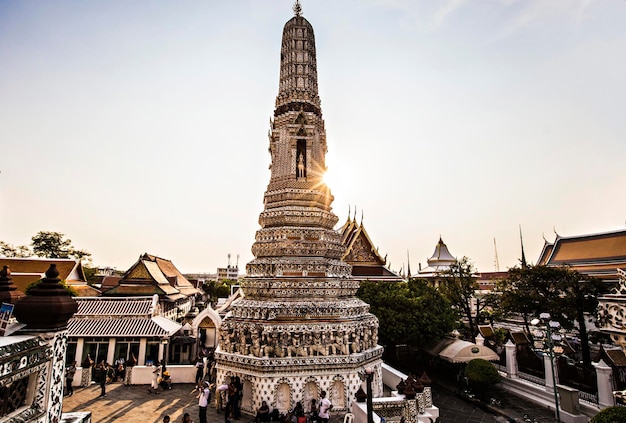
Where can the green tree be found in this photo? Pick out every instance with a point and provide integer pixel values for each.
(9, 250)
(217, 289)
(481, 376)
(610, 415)
(459, 285)
(564, 293)
(410, 313)
(54, 245)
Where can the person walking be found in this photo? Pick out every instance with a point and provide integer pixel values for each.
(69, 378)
(203, 401)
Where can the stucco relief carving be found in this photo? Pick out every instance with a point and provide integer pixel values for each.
(297, 340)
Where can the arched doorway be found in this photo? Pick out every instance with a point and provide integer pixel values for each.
(206, 327)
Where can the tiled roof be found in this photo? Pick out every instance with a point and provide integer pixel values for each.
(441, 254)
(112, 327)
(112, 306)
(486, 331)
(84, 290)
(108, 282)
(134, 289)
(519, 338)
(154, 275)
(40, 265)
(598, 255)
(545, 253)
(617, 357)
(103, 316)
(361, 254)
(607, 246)
(25, 271)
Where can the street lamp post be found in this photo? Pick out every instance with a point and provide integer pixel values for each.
(549, 343)
(368, 376)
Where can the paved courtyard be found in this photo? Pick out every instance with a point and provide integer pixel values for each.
(134, 404)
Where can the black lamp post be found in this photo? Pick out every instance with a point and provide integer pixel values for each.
(549, 348)
(368, 375)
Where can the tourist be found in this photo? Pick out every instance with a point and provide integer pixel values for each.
(297, 415)
(325, 407)
(199, 371)
(110, 373)
(166, 381)
(128, 372)
(262, 413)
(154, 385)
(119, 369)
(187, 418)
(87, 366)
(203, 401)
(313, 417)
(69, 378)
(101, 377)
(233, 397)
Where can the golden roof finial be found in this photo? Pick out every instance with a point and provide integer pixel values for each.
(297, 8)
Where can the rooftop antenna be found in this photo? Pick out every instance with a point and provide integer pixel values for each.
(496, 262)
(521, 240)
(228, 259)
(237, 261)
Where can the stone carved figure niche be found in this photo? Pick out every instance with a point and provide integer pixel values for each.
(301, 159)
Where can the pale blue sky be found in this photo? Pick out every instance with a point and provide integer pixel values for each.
(142, 126)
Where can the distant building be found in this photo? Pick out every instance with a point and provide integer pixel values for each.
(439, 262)
(25, 271)
(110, 328)
(366, 261)
(227, 273)
(152, 275)
(598, 255)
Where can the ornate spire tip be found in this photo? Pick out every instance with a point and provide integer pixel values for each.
(297, 8)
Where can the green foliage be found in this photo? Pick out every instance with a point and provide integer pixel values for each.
(481, 375)
(411, 313)
(218, 289)
(459, 286)
(54, 245)
(90, 274)
(610, 415)
(564, 293)
(9, 250)
(64, 284)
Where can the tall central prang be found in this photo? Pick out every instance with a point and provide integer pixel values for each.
(299, 329)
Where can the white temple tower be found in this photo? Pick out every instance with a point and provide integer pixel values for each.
(299, 328)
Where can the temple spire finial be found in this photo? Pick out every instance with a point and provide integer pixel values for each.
(297, 8)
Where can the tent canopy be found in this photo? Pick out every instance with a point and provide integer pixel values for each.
(459, 351)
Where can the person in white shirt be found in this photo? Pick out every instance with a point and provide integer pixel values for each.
(325, 407)
(203, 402)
